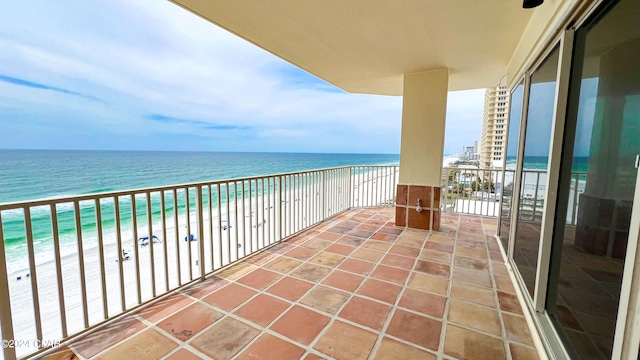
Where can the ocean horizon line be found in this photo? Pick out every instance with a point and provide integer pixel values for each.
(205, 151)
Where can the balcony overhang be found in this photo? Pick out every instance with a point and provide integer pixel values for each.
(366, 46)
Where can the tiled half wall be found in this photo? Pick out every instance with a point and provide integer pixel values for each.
(407, 204)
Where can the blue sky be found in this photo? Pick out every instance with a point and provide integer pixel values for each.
(148, 75)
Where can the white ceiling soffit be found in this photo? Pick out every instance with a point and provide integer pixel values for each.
(365, 46)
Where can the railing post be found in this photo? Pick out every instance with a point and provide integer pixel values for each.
(103, 276)
(200, 220)
(280, 185)
(350, 186)
(396, 170)
(35, 295)
(322, 194)
(56, 251)
(6, 321)
(83, 282)
(151, 253)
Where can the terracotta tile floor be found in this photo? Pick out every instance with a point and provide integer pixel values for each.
(354, 287)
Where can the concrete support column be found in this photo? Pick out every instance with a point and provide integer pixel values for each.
(424, 108)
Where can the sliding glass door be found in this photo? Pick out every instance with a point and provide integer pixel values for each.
(533, 173)
(597, 182)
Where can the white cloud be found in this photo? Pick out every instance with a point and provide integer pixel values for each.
(151, 57)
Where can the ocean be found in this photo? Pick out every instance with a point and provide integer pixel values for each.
(38, 174)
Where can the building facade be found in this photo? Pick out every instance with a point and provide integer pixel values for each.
(494, 124)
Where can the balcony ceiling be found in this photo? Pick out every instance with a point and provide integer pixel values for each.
(365, 46)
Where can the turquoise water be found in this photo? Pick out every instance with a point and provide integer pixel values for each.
(38, 174)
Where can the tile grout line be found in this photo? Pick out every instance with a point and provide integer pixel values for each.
(445, 316)
(308, 348)
(267, 330)
(385, 325)
(503, 329)
(502, 312)
(224, 312)
(336, 316)
(382, 332)
(354, 293)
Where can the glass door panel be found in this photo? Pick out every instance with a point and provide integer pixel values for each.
(597, 182)
(540, 110)
(509, 166)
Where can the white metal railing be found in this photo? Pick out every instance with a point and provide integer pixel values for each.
(478, 191)
(373, 185)
(470, 191)
(70, 264)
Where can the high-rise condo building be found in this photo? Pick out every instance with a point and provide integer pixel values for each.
(494, 127)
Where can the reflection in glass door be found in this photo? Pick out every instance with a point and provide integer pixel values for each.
(597, 182)
(542, 94)
(509, 165)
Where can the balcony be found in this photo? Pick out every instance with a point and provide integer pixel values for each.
(269, 254)
(352, 287)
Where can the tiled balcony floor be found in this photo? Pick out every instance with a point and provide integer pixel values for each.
(355, 287)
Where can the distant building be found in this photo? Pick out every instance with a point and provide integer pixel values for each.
(469, 153)
(494, 126)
